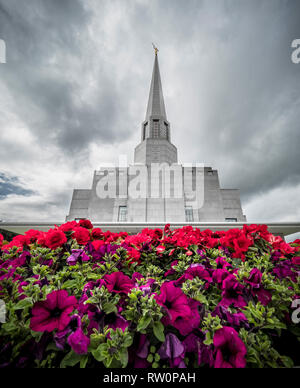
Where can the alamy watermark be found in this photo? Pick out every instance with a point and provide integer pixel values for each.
(2, 51)
(154, 181)
(296, 313)
(296, 53)
(2, 311)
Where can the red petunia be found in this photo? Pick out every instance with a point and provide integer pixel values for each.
(32, 236)
(68, 226)
(134, 255)
(55, 238)
(86, 224)
(81, 235)
(97, 234)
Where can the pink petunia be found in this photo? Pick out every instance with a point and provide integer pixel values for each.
(54, 312)
(174, 301)
(118, 282)
(230, 349)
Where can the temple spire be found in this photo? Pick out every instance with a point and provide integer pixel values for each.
(155, 146)
(156, 104)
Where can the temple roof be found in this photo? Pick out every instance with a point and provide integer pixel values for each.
(156, 104)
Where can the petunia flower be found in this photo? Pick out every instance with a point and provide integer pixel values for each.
(195, 270)
(174, 301)
(254, 281)
(78, 341)
(235, 320)
(171, 271)
(98, 319)
(173, 350)
(118, 282)
(76, 255)
(160, 249)
(60, 337)
(194, 344)
(55, 238)
(53, 313)
(81, 235)
(232, 293)
(188, 324)
(139, 352)
(230, 349)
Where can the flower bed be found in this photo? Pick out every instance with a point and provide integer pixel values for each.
(78, 297)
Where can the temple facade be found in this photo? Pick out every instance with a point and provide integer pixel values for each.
(156, 188)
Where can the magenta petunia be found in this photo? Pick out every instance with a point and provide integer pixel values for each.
(78, 341)
(98, 319)
(54, 312)
(118, 282)
(232, 292)
(174, 301)
(254, 279)
(186, 325)
(230, 349)
(194, 344)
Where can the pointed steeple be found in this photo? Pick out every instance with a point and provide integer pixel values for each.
(155, 146)
(156, 104)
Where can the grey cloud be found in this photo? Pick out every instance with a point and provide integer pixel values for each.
(44, 93)
(12, 185)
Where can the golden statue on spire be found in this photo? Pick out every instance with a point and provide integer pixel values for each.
(155, 48)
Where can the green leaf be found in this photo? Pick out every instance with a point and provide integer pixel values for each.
(123, 355)
(110, 308)
(150, 358)
(158, 330)
(22, 304)
(144, 323)
(100, 353)
(208, 340)
(128, 341)
(69, 284)
(71, 359)
(84, 361)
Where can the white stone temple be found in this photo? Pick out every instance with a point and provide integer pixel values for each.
(156, 188)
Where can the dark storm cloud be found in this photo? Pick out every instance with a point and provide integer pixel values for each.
(250, 120)
(11, 185)
(45, 91)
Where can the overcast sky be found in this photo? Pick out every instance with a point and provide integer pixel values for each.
(74, 90)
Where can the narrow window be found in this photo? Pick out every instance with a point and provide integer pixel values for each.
(156, 128)
(231, 219)
(145, 131)
(189, 216)
(122, 213)
(166, 134)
